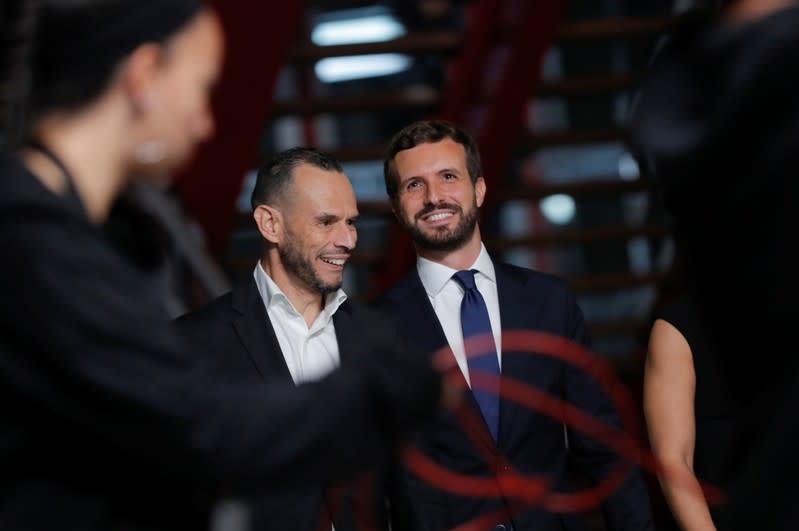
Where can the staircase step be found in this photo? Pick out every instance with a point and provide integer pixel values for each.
(576, 236)
(428, 98)
(422, 100)
(578, 86)
(608, 186)
(529, 143)
(448, 42)
(536, 140)
(419, 43)
(617, 27)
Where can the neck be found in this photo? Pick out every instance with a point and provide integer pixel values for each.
(86, 145)
(461, 258)
(309, 303)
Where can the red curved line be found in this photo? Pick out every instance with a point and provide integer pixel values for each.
(527, 395)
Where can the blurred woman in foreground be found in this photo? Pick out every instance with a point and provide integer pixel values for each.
(103, 423)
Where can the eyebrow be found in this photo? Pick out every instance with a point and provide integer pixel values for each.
(439, 172)
(448, 170)
(326, 216)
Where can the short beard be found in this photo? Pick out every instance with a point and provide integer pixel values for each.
(444, 239)
(301, 268)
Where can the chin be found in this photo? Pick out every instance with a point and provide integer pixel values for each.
(159, 175)
(161, 181)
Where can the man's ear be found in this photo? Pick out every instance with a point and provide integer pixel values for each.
(480, 191)
(270, 223)
(139, 77)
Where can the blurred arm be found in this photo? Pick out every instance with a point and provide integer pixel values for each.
(669, 392)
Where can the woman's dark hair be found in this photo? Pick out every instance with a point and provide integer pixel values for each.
(61, 54)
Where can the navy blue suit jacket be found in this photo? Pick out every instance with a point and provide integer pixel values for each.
(533, 443)
(236, 332)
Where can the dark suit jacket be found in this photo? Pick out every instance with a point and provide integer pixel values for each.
(235, 329)
(104, 426)
(533, 443)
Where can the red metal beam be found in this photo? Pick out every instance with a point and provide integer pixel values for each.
(467, 72)
(464, 83)
(532, 36)
(505, 119)
(259, 35)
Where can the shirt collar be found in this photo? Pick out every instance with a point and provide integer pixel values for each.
(273, 296)
(434, 276)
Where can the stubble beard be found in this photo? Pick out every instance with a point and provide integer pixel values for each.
(302, 268)
(444, 239)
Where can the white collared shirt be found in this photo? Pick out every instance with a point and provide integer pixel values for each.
(446, 294)
(310, 353)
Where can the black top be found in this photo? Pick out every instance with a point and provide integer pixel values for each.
(715, 410)
(717, 123)
(105, 421)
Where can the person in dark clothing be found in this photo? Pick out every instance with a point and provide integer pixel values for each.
(105, 422)
(717, 124)
(291, 322)
(457, 291)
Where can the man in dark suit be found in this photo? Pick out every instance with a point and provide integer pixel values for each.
(292, 322)
(434, 180)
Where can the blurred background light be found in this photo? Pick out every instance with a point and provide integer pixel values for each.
(558, 209)
(335, 69)
(357, 29)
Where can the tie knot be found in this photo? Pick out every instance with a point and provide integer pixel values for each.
(465, 278)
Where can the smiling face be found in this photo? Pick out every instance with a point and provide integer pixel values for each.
(436, 199)
(319, 231)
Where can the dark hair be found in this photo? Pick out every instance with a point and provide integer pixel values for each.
(275, 176)
(427, 132)
(63, 53)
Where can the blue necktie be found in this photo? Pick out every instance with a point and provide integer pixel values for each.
(475, 322)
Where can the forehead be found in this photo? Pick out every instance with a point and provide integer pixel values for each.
(315, 188)
(430, 158)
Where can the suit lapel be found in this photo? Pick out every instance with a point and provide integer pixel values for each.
(515, 310)
(428, 335)
(256, 332)
(347, 337)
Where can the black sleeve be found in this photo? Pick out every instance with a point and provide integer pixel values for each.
(89, 343)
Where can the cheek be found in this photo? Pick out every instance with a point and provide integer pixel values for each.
(409, 206)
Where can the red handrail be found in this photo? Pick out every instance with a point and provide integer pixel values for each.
(259, 35)
(533, 33)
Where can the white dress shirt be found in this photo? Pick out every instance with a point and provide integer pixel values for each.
(446, 294)
(310, 352)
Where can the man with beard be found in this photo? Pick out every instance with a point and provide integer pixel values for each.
(292, 322)
(434, 180)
